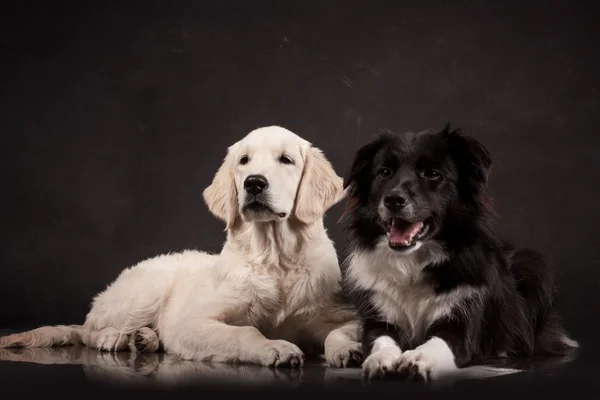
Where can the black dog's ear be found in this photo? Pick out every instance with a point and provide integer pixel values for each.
(446, 129)
(474, 161)
(471, 153)
(359, 171)
(359, 165)
(480, 156)
(363, 160)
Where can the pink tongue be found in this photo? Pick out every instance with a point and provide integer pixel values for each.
(405, 234)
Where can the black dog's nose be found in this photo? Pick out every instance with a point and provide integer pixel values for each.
(394, 202)
(254, 184)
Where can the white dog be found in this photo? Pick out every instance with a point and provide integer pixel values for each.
(271, 291)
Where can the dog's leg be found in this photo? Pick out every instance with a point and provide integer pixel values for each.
(381, 347)
(342, 348)
(442, 354)
(218, 342)
(339, 338)
(431, 360)
(45, 336)
(107, 339)
(337, 327)
(123, 311)
(144, 340)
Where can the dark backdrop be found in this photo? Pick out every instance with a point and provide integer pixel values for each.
(115, 115)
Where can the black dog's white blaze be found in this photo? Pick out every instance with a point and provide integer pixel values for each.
(436, 288)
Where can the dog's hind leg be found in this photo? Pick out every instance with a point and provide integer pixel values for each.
(123, 315)
(536, 282)
(45, 336)
(552, 339)
(107, 339)
(144, 340)
(337, 328)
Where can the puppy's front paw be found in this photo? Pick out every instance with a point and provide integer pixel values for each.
(380, 364)
(346, 354)
(281, 353)
(110, 339)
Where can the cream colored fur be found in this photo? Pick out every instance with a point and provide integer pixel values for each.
(267, 297)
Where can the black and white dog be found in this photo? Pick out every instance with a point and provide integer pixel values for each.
(436, 288)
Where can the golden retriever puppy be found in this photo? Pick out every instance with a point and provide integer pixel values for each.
(273, 291)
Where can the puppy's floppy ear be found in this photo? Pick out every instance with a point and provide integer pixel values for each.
(221, 195)
(320, 187)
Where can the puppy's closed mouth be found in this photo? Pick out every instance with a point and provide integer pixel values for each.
(259, 207)
(403, 235)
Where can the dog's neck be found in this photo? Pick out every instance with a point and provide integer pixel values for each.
(274, 244)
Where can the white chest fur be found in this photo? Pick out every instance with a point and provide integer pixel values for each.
(267, 294)
(398, 292)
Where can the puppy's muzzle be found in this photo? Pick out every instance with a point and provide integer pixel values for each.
(255, 184)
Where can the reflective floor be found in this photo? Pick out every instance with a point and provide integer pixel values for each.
(84, 367)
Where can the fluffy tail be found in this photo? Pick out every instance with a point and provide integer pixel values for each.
(46, 336)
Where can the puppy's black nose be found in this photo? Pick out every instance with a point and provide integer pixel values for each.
(254, 184)
(394, 203)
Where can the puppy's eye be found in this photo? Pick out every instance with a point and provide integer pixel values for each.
(385, 172)
(244, 160)
(285, 160)
(431, 174)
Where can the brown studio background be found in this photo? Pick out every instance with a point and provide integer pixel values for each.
(115, 116)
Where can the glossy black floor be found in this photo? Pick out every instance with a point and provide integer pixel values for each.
(66, 368)
(115, 115)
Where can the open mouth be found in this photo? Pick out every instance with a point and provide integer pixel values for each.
(403, 235)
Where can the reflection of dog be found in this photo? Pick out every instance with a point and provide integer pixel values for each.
(436, 288)
(148, 369)
(163, 371)
(274, 286)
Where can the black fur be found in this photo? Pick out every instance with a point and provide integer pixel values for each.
(517, 315)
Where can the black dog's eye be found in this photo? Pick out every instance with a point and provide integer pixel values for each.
(431, 174)
(244, 160)
(385, 172)
(285, 160)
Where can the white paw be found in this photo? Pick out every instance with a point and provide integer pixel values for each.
(281, 353)
(427, 362)
(381, 363)
(344, 354)
(145, 340)
(110, 339)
